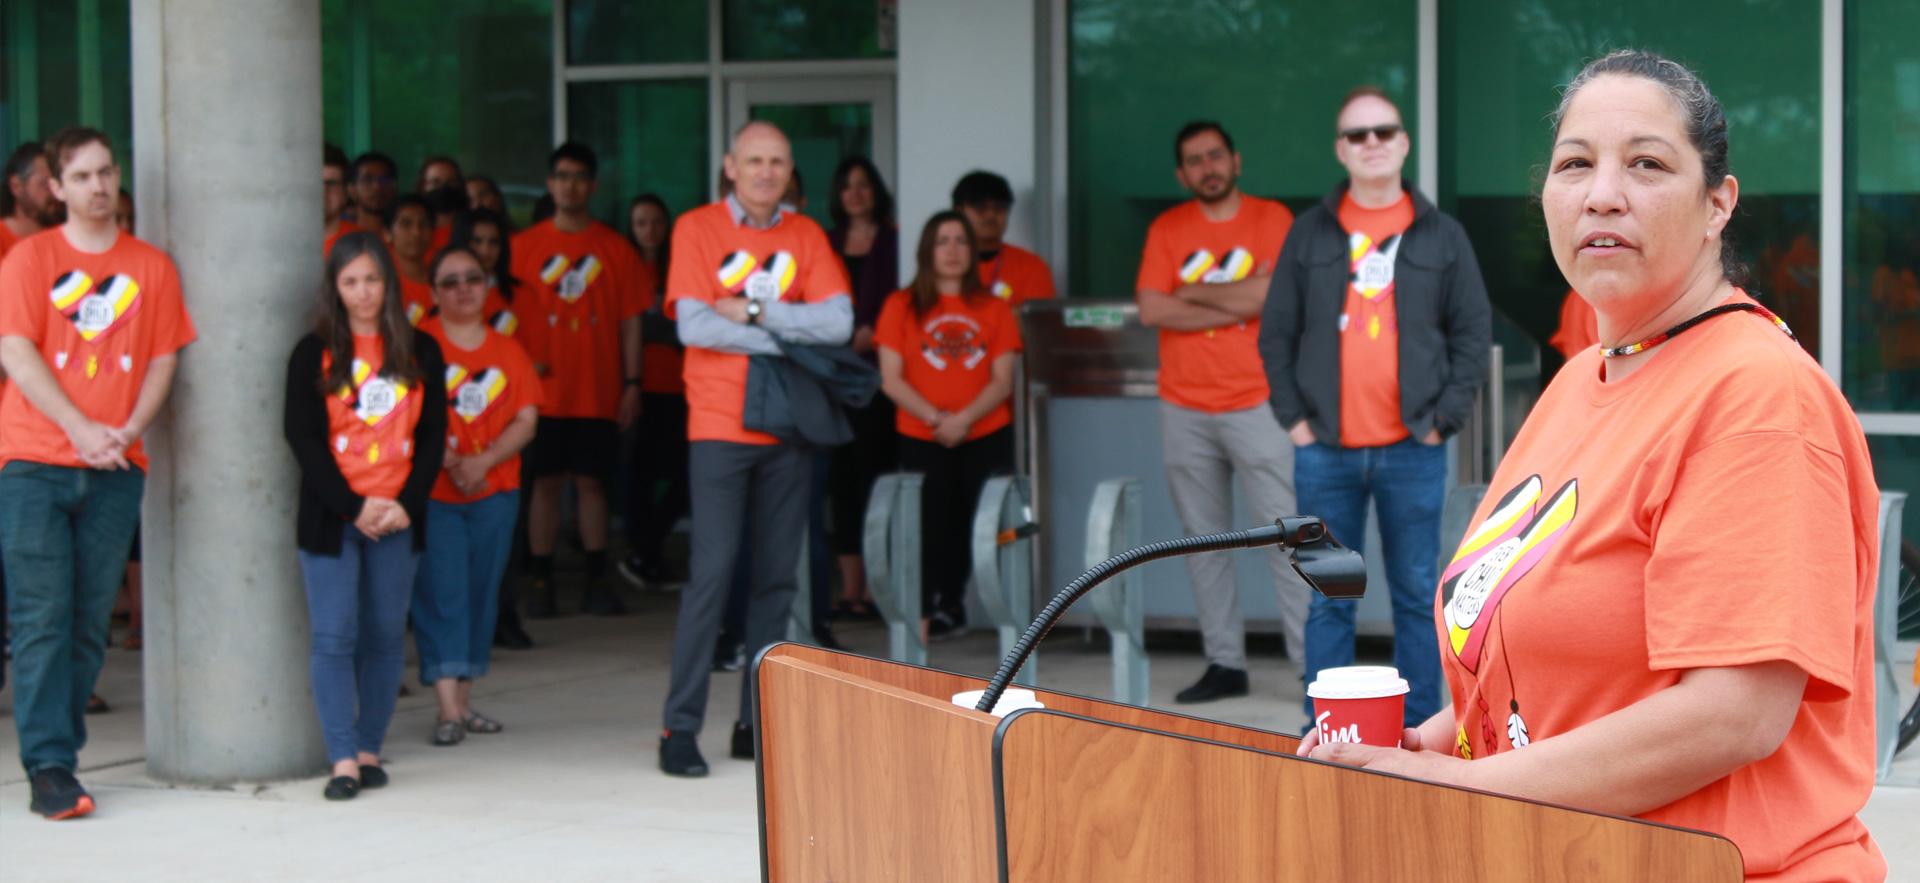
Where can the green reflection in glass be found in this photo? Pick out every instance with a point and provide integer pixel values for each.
(651, 136)
(1501, 68)
(1880, 356)
(467, 78)
(625, 32)
(781, 30)
(822, 134)
(67, 64)
(1272, 72)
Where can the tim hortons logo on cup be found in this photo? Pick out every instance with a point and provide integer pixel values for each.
(1348, 733)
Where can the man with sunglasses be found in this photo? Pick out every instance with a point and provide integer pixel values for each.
(1374, 337)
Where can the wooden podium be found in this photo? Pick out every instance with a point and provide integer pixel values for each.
(869, 772)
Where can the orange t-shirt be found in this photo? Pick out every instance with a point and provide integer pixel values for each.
(714, 258)
(326, 247)
(1369, 327)
(98, 321)
(947, 355)
(581, 286)
(1579, 326)
(661, 364)
(416, 299)
(7, 239)
(487, 387)
(441, 236)
(1017, 275)
(1635, 531)
(371, 422)
(1218, 369)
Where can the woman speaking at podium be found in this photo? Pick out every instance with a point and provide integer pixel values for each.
(1662, 608)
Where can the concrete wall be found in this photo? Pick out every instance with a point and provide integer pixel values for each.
(970, 92)
(227, 135)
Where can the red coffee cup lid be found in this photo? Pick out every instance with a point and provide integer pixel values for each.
(1357, 682)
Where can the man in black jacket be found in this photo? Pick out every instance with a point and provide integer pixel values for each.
(1374, 339)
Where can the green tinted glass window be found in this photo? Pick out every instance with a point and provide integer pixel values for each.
(651, 137)
(624, 32)
(466, 78)
(1500, 79)
(781, 30)
(1880, 356)
(67, 64)
(1272, 72)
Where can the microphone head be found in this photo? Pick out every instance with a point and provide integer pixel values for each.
(1331, 569)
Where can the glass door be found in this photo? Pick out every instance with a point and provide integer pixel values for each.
(828, 119)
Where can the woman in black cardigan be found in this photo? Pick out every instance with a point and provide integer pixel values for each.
(366, 416)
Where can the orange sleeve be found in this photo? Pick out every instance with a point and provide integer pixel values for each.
(692, 265)
(1157, 270)
(1731, 582)
(890, 331)
(23, 312)
(826, 276)
(1042, 281)
(1273, 235)
(1006, 331)
(521, 376)
(174, 330)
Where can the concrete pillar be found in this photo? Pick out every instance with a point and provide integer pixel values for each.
(969, 97)
(227, 149)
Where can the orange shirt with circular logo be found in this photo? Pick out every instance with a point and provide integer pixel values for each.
(947, 354)
(579, 287)
(487, 387)
(370, 422)
(98, 321)
(1369, 327)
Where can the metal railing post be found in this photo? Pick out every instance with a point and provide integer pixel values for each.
(1886, 621)
(891, 545)
(1496, 408)
(1113, 526)
(1003, 571)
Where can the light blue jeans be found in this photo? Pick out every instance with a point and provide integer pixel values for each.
(455, 597)
(357, 610)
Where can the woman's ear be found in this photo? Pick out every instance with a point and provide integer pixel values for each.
(1723, 199)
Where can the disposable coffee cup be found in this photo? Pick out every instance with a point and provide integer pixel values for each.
(1011, 701)
(1359, 703)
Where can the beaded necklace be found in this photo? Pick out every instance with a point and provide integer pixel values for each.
(1675, 331)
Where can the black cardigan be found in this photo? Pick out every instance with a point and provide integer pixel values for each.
(328, 506)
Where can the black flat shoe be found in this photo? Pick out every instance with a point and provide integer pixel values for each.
(1219, 682)
(742, 748)
(342, 788)
(372, 777)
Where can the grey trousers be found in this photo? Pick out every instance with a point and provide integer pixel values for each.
(1204, 453)
(766, 486)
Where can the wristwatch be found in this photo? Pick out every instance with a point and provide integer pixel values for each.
(754, 309)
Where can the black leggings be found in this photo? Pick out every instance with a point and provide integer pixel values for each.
(659, 455)
(948, 498)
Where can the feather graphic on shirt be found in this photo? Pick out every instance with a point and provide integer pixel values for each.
(735, 269)
(1196, 266)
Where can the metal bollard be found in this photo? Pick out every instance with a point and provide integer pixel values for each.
(1886, 618)
(891, 546)
(1003, 563)
(1113, 526)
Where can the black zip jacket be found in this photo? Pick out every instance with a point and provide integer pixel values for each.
(1446, 324)
(327, 505)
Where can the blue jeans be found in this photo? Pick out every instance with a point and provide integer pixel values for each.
(1407, 483)
(357, 610)
(67, 531)
(455, 596)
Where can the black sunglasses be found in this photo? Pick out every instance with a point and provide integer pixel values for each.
(452, 281)
(1357, 137)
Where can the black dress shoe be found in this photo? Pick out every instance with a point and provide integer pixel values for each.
(1219, 682)
(680, 755)
(742, 742)
(508, 634)
(540, 600)
(372, 777)
(342, 788)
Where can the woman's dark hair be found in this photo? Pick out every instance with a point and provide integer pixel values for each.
(1700, 113)
(925, 288)
(336, 332)
(440, 257)
(666, 245)
(462, 236)
(882, 197)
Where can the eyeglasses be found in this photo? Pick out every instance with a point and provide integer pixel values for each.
(1357, 137)
(449, 283)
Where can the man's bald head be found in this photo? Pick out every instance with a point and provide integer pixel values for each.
(759, 165)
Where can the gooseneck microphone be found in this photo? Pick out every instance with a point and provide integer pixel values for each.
(1331, 569)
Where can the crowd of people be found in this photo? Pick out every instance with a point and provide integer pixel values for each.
(1321, 360)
